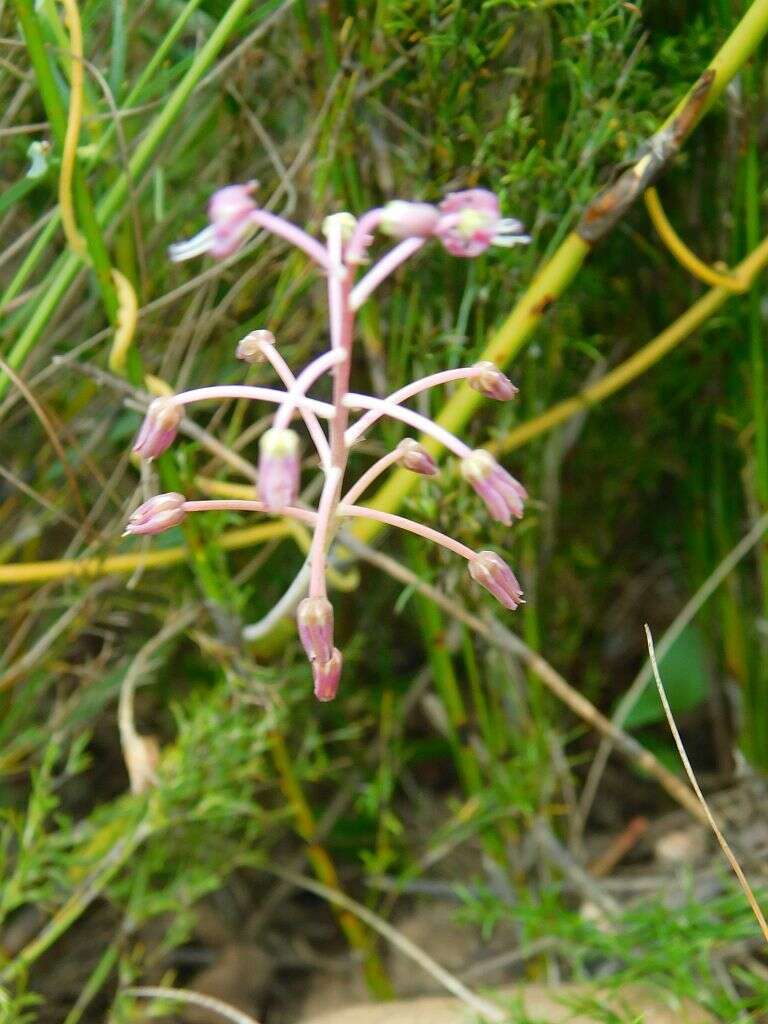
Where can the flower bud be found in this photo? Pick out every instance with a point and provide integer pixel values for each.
(251, 348)
(326, 676)
(345, 220)
(279, 467)
(314, 618)
(492, 383)
(158, 514)
(159, 429)
(503, 495)
(402, 219)
(493, 573)
(416, 457)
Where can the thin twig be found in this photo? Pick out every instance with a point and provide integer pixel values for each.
(183, 995)
(401, 942)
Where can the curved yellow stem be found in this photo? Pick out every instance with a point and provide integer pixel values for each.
(74, 119)
(684, 256)
(127, 317)
(641, 361)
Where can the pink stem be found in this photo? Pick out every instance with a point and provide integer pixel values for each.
(360, 239)
(413, 419)
(321, 537)
(341, 326)
(304, 381)
(304, 515)
(285, 374)
(374, 471)
(284, 229)
(403, 394)
(362, 512)
(257, 394)
(381, 270)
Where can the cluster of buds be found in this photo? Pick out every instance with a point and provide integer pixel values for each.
(466, 224)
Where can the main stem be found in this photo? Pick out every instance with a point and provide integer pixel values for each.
(341, 319)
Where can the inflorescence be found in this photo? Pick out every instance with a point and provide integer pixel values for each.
(466, 224)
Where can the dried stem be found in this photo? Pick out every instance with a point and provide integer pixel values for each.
(747, 888)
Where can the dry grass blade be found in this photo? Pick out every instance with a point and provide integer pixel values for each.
(689, 772)
(183, 995)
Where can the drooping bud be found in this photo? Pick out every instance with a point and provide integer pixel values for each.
(492, 383)
(158, 514)
(159, 429)
(314, 618)
(251, 348)
(229, 213)
(504, 496)
(326, 676)
(279, 467)
(471, 221)
(493, 573)
(416, 457)
(402, 219)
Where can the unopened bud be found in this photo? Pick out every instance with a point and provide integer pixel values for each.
(279, 467)
(251, 348)
(158, 514)
(326, 676)
(346, 221)
(504, 496)
(314, 618)
(402, 219)
(159, 429)
(493, 573)
(416, 457)
(492, 383)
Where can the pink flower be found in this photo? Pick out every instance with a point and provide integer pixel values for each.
(471, 221)
(326, 676)
(503, 495)
(402, 219)
(314, 618)
(416, 457)
(158, 514)
(493, 573)
(492, 383)
(279, 467)
(159, 429)
(229, 212)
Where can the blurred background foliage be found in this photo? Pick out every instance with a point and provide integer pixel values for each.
(441, 754)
